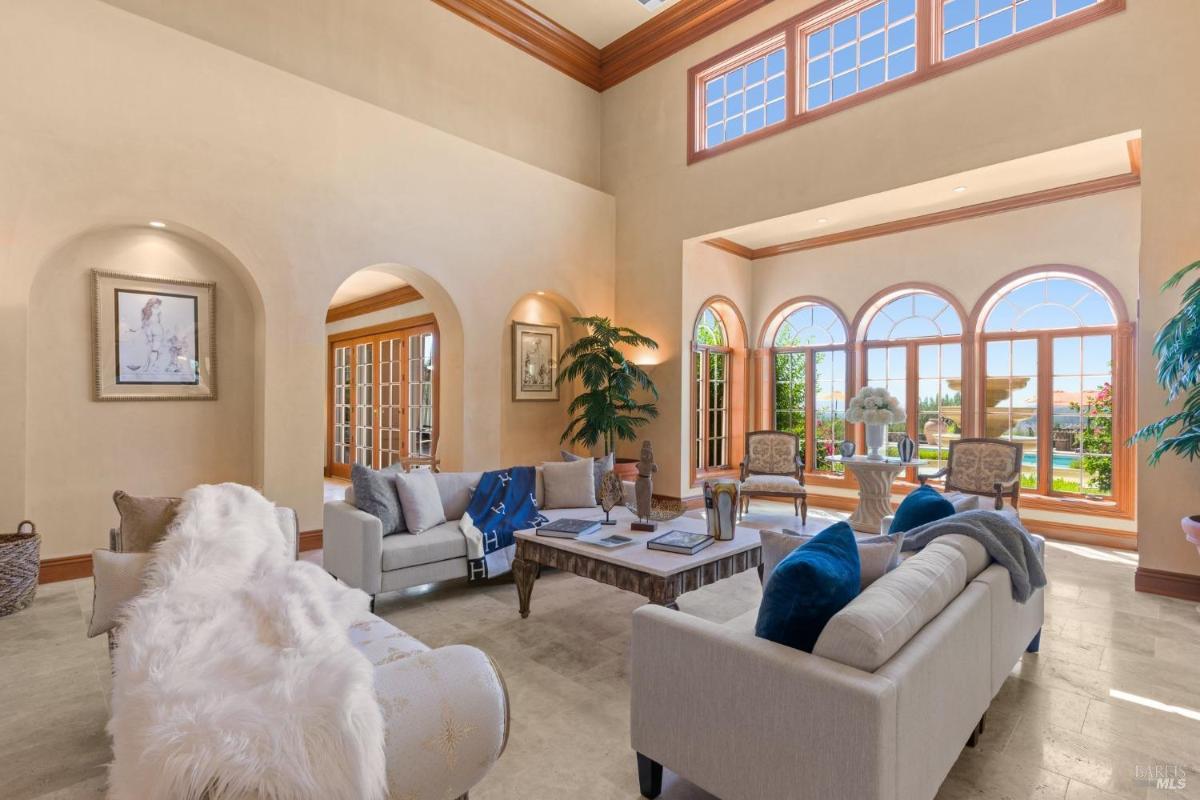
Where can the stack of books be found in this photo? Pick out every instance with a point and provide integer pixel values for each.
(683, 542)
(569, 528)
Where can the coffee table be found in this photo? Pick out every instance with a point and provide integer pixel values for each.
(656, 575)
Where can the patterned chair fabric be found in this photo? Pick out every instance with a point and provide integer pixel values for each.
(773, 468)
(986, 467)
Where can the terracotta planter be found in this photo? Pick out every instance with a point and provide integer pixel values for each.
(1191, 529)
(626, 469)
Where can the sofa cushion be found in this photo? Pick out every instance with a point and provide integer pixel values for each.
(144, 521)
(375, 493)
(439, 543)
(876, 554)
(962, 501)
(869, 631)
(569, 484)
(455, 489)
(922, 505)
(600, 466)
(420, 499)
(812, 584)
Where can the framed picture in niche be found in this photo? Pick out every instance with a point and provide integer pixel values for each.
(535, 361)
(153, 338)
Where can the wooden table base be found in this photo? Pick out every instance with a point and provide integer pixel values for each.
(658, 589)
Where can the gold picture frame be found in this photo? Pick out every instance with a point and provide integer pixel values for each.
(534, 362)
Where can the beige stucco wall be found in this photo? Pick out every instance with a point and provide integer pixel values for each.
(299, 186)
(1127, 72)
(415, 58)
(140, 447)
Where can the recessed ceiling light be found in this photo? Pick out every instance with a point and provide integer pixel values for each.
(960, 189)
(822, 220)
(540, 293)
(157, 224)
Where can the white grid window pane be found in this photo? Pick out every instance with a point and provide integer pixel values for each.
(745, 99)
(861, 51)
(421, 434)
(970, 24)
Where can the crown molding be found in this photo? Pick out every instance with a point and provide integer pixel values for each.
(1041, 197)
(662, 35)
(376, 302)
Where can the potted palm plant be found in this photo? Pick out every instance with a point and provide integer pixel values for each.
(606, 411)
(1177, 348)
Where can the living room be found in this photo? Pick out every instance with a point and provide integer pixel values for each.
(504, 169)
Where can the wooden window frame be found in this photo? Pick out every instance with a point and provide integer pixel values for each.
(794, 34)
(736, 390)
(398, 329)
(1124, 468)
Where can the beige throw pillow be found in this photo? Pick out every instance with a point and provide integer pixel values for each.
(569, 484)
(420, 499)
(876, 555)
(117, 579)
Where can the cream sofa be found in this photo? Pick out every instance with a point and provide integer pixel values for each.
(421, 692)
(897, 683)
(358, 554)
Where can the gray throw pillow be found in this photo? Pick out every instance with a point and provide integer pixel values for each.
(420, 499)
(877, 555)
(375, 493)
(599, 466)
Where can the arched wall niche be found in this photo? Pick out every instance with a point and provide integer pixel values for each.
(529, 429)
(79, 451)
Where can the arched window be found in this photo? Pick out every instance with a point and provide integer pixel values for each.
(808, 359)
(913, 347)
(711, 356)
(1049, 357)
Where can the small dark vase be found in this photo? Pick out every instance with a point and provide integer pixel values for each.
(846, 449)
(907, 448)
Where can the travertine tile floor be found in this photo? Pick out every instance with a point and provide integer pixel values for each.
(1116, 687)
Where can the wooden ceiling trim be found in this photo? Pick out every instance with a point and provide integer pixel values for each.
(376, 302)
(663, 35)
(541, 37)
(1027, 200)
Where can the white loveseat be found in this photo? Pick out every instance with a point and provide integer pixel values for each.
(358, 554)
(425, 695)
(897, 684)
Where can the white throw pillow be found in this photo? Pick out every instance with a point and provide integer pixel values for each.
(420, 499)
(117, 579)
(876, 554)
(569, 484)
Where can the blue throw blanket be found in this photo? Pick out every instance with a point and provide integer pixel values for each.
(503, 503)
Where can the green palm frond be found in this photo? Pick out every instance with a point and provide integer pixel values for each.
(605, 412)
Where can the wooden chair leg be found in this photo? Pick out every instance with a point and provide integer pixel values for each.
(803, 511)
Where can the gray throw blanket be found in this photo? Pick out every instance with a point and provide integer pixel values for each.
(1001, 534)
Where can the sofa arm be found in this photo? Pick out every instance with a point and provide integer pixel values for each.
(353, 546)
(446, 720)
(723, 709)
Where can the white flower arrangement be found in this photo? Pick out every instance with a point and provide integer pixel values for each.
(875, 406)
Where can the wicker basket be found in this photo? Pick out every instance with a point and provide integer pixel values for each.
(19, 559)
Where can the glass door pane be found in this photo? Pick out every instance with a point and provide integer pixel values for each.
(421, 434)
(364, 404)
(1011, 399)
(1081, 433)
(829, 395)
(939, 402)
(791, 396)
(391, 401)
(341, 407)
(887, 367)
(717, 411)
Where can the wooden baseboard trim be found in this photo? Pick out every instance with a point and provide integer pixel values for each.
(311, 540)
(1168, 584)
(1082, 534)
(65, 568)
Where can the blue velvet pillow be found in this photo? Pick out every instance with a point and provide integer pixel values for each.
(923, 504)
(808, 587)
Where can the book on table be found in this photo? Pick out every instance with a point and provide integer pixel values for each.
(684, 542)
(568, 528)
(610, 541)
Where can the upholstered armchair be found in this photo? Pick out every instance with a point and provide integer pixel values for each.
(985, 467)
(773, 467)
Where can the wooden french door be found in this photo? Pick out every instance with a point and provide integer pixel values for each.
(382, 397)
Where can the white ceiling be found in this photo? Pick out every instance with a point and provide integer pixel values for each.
(364, 283)
(598, 21)
(1082, 162)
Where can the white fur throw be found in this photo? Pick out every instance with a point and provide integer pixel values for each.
(234, 674)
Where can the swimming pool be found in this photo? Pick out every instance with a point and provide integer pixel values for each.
(1060, 460)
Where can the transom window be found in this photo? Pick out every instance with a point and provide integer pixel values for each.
(860, 51)
(809, 361)
(746, 98)
(914, 349)
(970, 24)
(832, 56)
